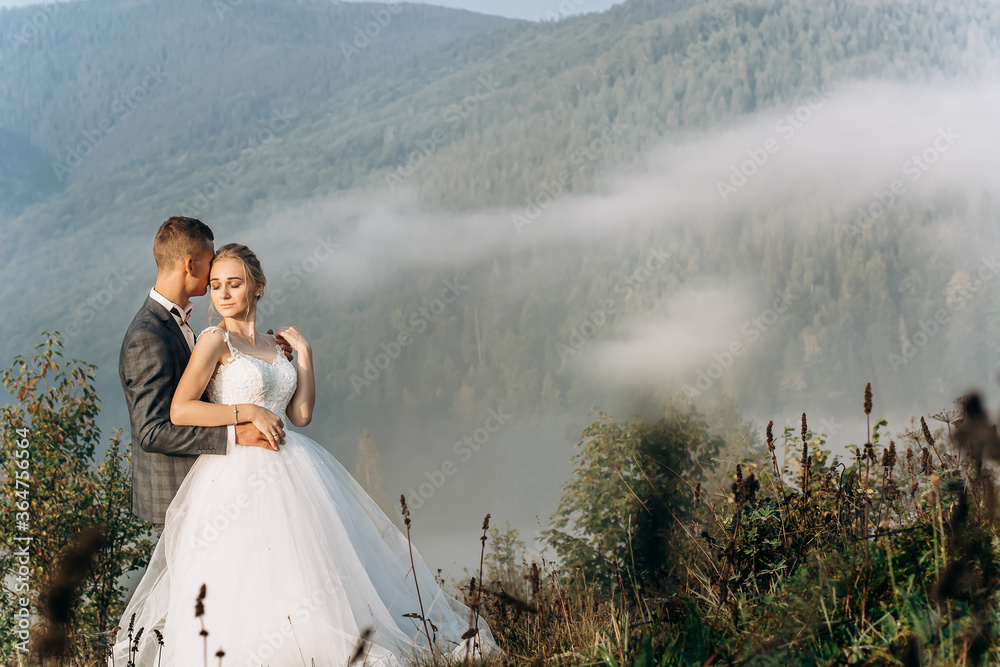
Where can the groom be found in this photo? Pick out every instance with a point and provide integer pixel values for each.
(155, 352)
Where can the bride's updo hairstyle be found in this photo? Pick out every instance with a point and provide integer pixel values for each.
(251, 268)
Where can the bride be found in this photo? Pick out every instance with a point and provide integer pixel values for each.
(297, 561)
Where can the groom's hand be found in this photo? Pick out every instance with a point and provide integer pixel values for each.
(249, 435)
(285, 347)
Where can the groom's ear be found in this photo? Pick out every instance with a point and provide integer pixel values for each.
(189, 266)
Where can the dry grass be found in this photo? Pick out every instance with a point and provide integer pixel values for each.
(886, 559)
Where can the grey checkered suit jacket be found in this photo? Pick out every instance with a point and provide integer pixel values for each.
(152, 360)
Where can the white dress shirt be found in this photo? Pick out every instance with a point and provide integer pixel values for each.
(180, 316)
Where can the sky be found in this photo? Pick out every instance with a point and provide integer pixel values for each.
(535, 10)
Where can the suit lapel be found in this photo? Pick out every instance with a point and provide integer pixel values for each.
(157, 309)
(169, 322)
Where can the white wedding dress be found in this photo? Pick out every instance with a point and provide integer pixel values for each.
(298, 561)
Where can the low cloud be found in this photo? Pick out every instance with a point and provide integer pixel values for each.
(829, 153)
(695, 324)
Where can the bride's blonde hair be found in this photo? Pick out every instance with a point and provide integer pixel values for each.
(254, 275)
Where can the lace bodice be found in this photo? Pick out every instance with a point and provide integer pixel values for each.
(249, 379)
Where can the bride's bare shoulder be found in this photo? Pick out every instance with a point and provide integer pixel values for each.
(211, 345)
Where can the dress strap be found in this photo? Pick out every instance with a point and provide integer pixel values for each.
(278, 347)
(232, 350)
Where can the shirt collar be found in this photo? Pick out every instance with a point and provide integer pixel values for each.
(168, 304)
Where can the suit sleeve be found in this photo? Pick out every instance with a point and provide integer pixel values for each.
(149, 389)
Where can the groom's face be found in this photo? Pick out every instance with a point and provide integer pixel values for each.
(202, 269)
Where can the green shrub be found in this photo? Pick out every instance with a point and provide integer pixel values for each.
(54, 492)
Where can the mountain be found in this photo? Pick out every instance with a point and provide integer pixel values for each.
(425, 148)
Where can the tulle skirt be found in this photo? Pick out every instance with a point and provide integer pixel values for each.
(297, 562)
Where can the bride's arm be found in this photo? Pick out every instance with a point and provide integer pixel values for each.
(300, 408)
(187, 408)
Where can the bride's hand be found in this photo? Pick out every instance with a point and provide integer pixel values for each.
(294, 338)
(270, 425)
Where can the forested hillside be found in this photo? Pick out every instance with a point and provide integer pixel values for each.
(453, 114)
(165, 78)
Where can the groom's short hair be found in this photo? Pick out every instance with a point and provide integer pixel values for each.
(179, 237)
